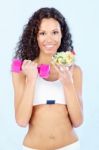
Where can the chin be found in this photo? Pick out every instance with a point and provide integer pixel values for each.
(51, 52)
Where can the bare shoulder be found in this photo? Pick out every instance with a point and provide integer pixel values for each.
(18, 77)
(76, 70)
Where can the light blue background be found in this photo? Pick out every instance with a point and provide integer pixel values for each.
(83, 19)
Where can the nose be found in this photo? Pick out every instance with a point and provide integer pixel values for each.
(49, 38)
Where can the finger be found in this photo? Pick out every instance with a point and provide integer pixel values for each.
(56, 68)
(26, 62)
(61, 69)
(71, 69)
(67, 68)
(29, 62)
(35, 65)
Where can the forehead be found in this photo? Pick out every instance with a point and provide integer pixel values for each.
(49, 23)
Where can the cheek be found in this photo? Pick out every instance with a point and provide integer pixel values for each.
(40, 41)
(59, 40)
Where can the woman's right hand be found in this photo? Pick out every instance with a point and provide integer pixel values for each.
(29, 68)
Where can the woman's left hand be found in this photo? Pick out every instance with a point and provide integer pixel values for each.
(65, 74)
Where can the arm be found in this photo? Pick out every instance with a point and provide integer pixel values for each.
(24, 88)
(73, 94)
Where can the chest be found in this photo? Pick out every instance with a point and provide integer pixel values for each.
(48, 91)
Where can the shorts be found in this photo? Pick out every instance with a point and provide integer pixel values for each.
(73, 146)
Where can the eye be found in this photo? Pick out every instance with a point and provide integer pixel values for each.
(55, 32)
(42, 33)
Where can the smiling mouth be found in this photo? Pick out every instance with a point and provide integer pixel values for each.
(49, 46)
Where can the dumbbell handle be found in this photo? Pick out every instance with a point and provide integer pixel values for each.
(43, 69)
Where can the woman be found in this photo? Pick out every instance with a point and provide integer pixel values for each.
(51, 106)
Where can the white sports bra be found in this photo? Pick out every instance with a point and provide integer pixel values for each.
(48, 92)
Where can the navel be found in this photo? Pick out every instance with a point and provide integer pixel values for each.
(52, 137)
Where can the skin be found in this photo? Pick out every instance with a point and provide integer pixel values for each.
(50, 126)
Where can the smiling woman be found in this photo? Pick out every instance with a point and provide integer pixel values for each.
(50, 105)
(49, 36)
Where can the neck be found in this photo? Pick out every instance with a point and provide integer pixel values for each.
(44, 59)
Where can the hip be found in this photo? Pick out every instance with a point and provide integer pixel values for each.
(73, 146)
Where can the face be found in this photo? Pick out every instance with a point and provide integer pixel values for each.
(49, 36)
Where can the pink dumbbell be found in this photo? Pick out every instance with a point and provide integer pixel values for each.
(43, 69)
(16, 65)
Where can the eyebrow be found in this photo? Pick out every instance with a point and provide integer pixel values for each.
(45, 30)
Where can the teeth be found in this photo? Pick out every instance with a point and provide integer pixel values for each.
(49, 46)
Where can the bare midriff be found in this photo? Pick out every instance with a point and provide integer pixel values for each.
(49, 128)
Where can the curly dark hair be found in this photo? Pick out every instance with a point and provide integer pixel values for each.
(27, 47)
